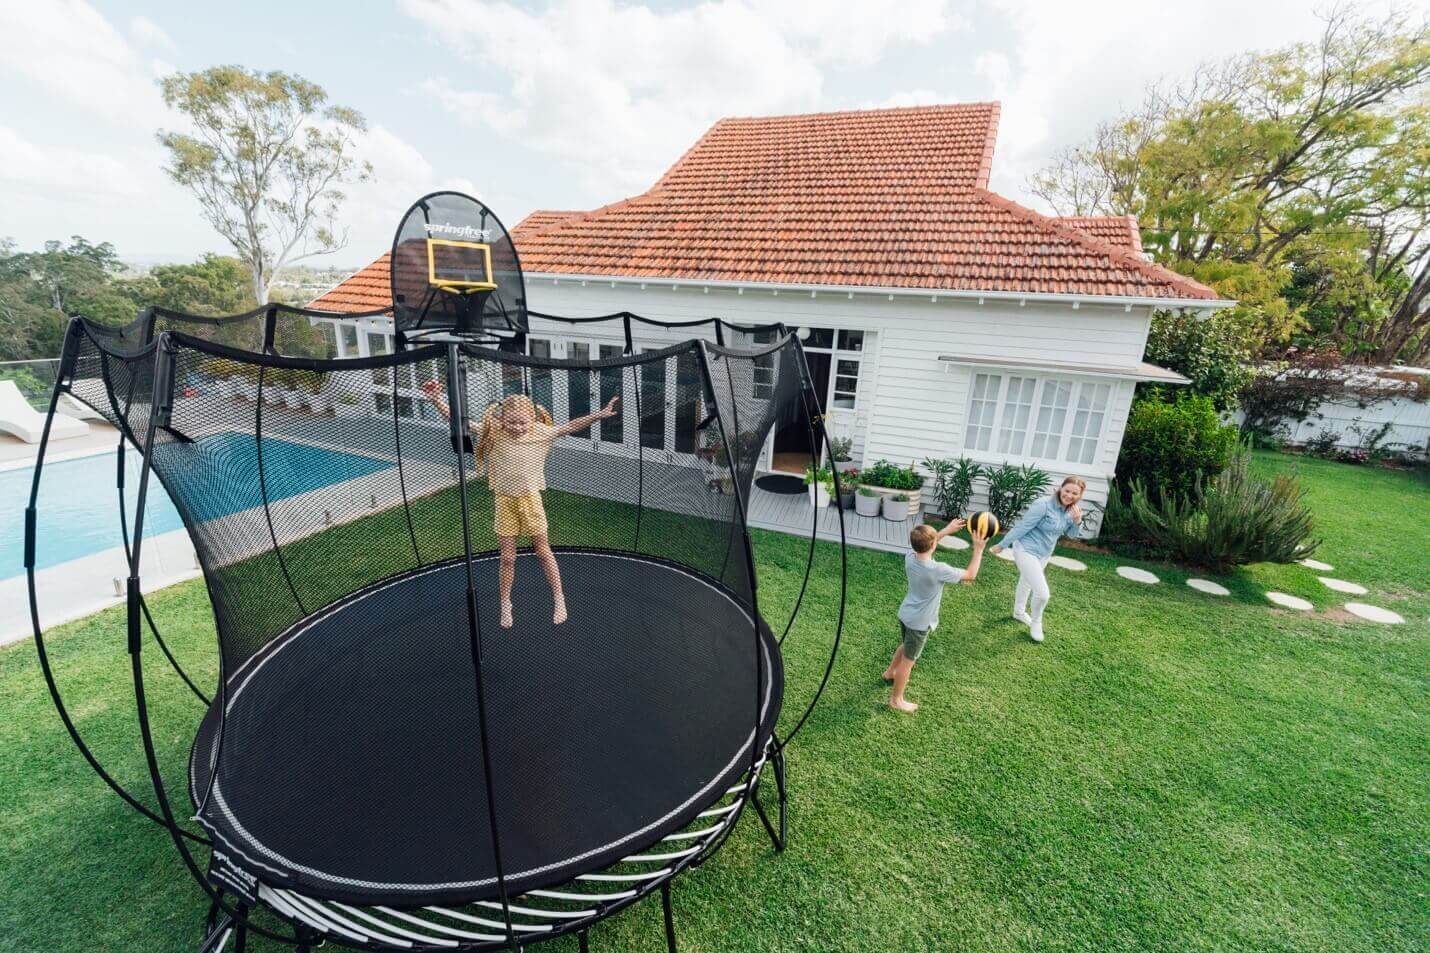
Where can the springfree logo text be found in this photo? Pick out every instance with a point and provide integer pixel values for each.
(449, 230)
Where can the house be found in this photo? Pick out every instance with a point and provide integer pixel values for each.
(939, 318)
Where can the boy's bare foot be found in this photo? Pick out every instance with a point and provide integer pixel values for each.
(559, 616)
(888, 675)
(506, 615)
(903, 704)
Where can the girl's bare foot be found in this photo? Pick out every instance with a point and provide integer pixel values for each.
(559, 616)
(903, 704)
(506, 615)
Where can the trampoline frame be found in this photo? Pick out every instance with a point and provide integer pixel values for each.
(536, 915)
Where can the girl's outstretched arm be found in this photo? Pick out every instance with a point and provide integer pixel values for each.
(581, 423)
(433, 390)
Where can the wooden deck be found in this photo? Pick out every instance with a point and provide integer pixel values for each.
(790, 513)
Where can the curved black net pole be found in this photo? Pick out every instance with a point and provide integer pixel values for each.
(161, 404)
(263, 490)
(638, 372)
(401, 476)
(731, 446)
(144, 603)
(843, 580)
(805, 394)
(67, 358)
(457, 413)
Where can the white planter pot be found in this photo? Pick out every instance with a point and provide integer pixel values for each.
(293, 399)
(317, 403)
(867, 505)
(818, 494)
(347, 410)
(896, 511)
(915, 496)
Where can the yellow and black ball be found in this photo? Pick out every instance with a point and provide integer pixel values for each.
(983, 524)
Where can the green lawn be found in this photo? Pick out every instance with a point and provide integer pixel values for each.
(1168, 770)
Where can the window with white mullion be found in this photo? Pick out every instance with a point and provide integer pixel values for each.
(1017, 407)
(1052, 420)
(982, 409)
(1088, 418)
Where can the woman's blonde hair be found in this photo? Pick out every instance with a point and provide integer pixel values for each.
(1078, 482)
(492, 419)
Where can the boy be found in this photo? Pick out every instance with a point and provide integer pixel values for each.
(918, 613)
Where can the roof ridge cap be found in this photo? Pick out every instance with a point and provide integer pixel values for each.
(990, 141)
(1121, 256)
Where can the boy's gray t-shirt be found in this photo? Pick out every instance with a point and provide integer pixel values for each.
(927, 577)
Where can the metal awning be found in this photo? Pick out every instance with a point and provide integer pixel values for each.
(1142, 371)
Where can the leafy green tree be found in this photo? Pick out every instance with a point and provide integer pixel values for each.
(1211, 352)
(1294, 181)
(267, 162)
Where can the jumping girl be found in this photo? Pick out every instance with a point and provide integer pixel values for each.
(513, 441)
(1032, 541)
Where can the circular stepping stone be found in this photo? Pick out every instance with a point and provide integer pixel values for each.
(953, 542)
(1209, 587)
(1068, 563)
(1289, 601)
(1340, 585)
(1317, 565)
(1374, 613)
(1137, 575)
(1005, 554)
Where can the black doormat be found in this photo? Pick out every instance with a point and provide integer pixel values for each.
(780, 483)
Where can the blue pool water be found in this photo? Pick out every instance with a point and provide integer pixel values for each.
(79, 505)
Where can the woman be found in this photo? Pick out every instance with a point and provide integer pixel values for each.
(1032, 541)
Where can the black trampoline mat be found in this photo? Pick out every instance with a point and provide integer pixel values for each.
(351, 766)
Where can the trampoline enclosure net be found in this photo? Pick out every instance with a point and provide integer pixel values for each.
(309, 485)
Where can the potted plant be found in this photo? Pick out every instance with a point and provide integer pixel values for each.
(848, 486)
(952, 483)
(867, 500)
(345, 404)
(888, 479)
(820, 482)
(841, 451)
(896, 507)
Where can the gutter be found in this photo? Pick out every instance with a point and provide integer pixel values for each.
(849, 291)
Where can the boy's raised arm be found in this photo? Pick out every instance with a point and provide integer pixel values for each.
(971, 573)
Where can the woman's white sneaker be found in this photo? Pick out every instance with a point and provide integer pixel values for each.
(1036, 634)
(1023, 617)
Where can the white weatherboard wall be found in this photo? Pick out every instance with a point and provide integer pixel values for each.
(910, 405)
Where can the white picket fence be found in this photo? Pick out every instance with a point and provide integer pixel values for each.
(1355, 425)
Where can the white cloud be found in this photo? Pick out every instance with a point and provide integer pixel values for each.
(71, 50)
(618, 91)
(58, 167)
(148, 32)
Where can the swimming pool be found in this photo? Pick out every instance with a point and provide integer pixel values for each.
(79, 505)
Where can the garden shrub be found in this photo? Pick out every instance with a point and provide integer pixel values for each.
(890, 477)
(952, 483)
(1011, 490)
(1213, 353)
(1230, 520)
(1169, 447)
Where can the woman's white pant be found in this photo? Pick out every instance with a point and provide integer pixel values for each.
(1032, 583)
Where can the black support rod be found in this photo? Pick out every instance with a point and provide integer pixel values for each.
(457, 415)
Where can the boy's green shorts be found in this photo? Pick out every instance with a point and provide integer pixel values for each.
(914, 640)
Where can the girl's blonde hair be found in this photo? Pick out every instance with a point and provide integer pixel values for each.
(492, 419)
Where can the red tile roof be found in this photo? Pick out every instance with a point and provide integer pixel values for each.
(893, 198)
(1120, 230)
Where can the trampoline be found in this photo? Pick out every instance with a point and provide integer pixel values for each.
(407, 745)
(618, 727)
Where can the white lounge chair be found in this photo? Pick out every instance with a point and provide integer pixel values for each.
(19, 419)
(79, 411)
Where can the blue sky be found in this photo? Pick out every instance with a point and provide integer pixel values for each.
(569, 104)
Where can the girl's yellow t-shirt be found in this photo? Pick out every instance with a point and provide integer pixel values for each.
(516, 466)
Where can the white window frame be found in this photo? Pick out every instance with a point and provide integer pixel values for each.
(1004, 411)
